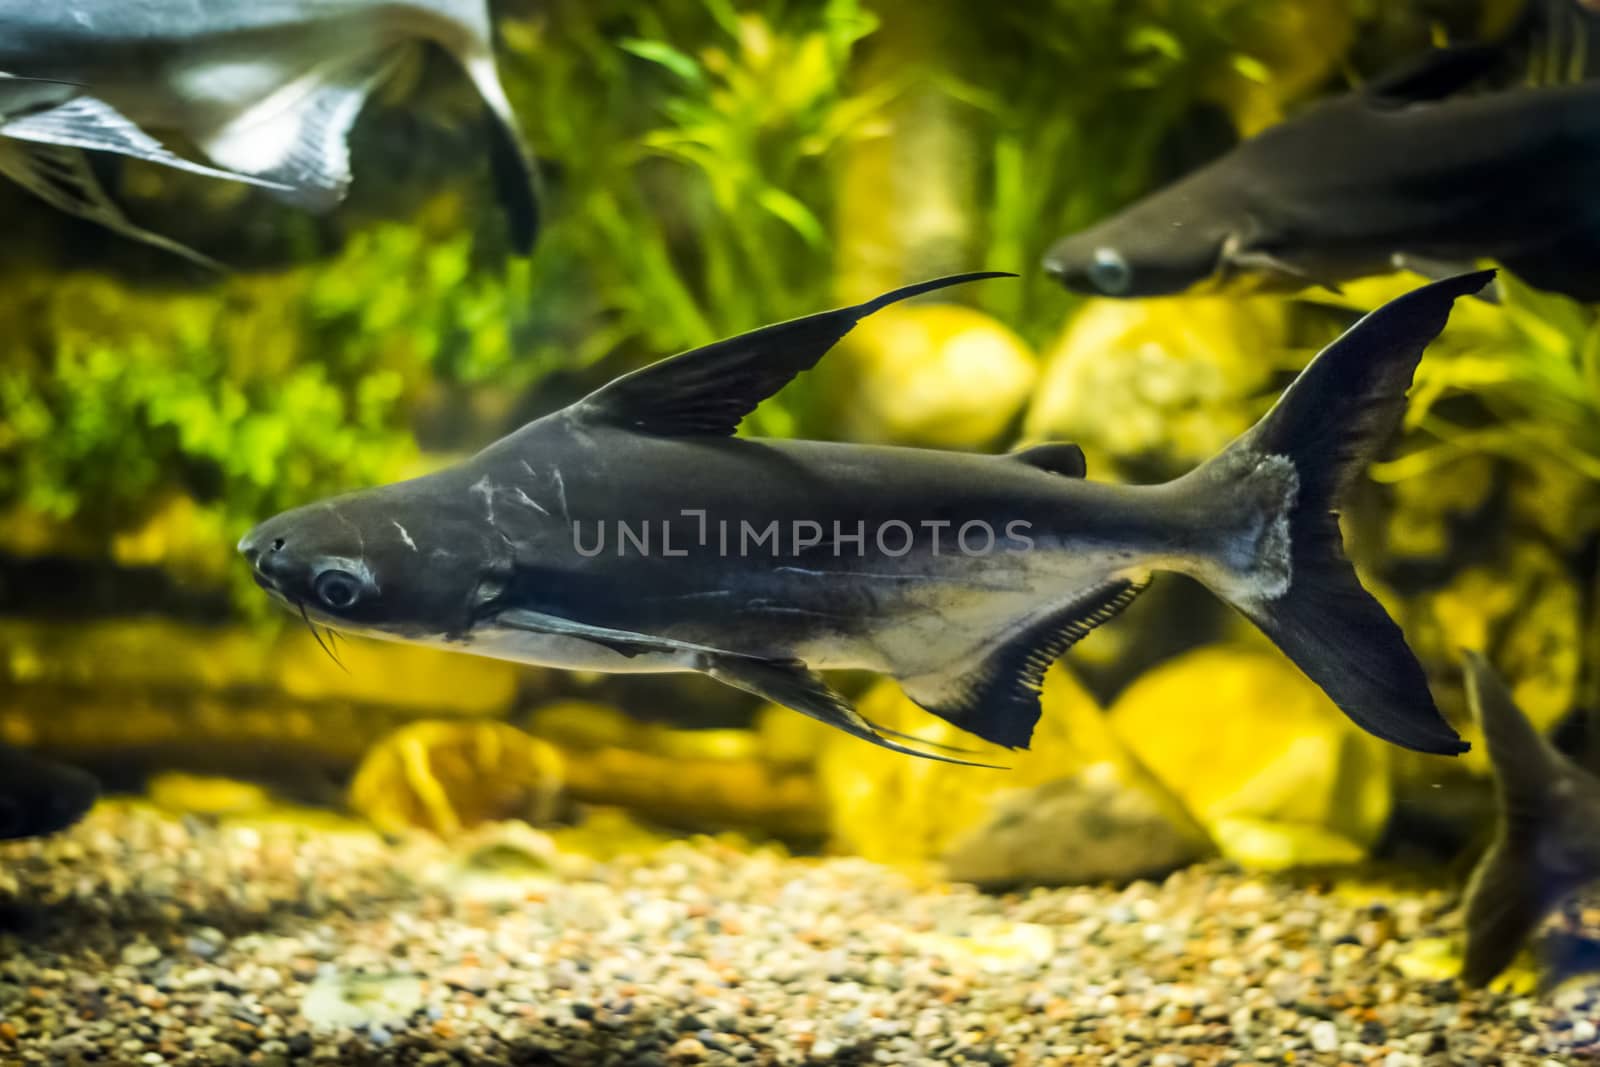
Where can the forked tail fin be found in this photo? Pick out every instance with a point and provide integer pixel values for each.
(1281, 484)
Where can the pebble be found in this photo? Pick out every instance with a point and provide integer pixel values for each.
(283, 946)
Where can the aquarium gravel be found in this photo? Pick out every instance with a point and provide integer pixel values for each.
(143, 939)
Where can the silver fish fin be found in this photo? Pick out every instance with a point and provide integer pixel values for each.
(297, 138)
(708, 391)
(21, 94)
(794, 685)
(1057, 457)
(997, 696)
(62, 178)
(87, 123)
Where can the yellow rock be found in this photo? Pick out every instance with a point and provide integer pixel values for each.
(896, 809)
(451, 776)
(192, 794)
(403, 676)
(934, 375)
(1174, 378)
(1241, 734)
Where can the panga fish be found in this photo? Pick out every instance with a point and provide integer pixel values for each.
(267, 90)
(1394, 176)
(1547, 843)
(39, 797)
(632, 531)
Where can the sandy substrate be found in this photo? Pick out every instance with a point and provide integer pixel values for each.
(144, 940)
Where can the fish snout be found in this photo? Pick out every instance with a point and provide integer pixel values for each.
(265, 555)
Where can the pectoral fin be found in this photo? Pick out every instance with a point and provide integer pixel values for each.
(297, 138)
(794, 685)
(1239, 257)
(62, 178)
(782, 681)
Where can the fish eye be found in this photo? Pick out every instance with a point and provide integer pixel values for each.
(1109, 272)
(337, 589)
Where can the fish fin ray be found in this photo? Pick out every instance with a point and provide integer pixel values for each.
(709, 390)
(297, 138)
(1057, 457)
(86, 122)
(794, 685)
(62, 178)
(997, 697)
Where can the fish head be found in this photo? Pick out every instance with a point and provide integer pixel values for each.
(402, 561)
(39, 797)
(1144, 252)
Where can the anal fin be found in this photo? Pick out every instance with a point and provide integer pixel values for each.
(997, 697)
(1503, 906)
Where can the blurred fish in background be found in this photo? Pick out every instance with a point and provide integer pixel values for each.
(1547, 844)
(38, 796)
(1417, 170)
(267, 92)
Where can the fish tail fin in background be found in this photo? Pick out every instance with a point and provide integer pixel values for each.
(1505, 899)
(1273, 495)
(1544, 847)
(511, 160)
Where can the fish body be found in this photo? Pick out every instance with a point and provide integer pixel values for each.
(267, 91)
(633, 532)
(1547, 840)
(39, 797)
(1396, 175)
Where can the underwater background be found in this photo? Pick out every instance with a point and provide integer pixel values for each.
(428, 854)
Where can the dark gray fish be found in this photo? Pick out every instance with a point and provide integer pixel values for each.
(38, 797)
(1395, 176)
(268, 90)
(632, 531)
(1547, 843)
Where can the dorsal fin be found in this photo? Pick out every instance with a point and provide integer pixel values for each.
(1435, 75)
(996, 696)
(708, 391)
(1057, 457)
(1545, 847)
(1526, 766)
